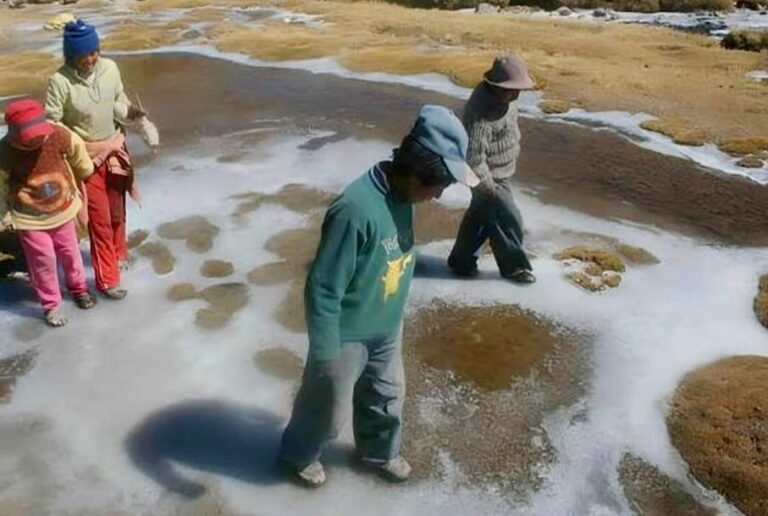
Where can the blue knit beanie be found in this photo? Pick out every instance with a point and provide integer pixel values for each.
(79, 39)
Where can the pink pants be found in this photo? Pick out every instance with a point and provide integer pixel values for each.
(43, 249)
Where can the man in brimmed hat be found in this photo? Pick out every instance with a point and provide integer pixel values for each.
(45, 166)
(355, 295)
(490, 118)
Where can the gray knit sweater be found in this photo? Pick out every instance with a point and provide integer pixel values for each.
(494, 136)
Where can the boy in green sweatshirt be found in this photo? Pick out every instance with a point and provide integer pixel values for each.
(356, 292)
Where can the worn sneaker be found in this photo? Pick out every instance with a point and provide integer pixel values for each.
(395, 470)
(85, 301)
(55, 318)
(312, 475)
(116, 292)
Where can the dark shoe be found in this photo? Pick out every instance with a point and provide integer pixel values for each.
(465, 273)
(85, 301)
(521, 276)
(116, 292)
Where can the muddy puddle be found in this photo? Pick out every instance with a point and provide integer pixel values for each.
(279, 363)
(224, 301)
(197, 232)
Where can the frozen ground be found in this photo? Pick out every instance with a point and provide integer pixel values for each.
(142, 368)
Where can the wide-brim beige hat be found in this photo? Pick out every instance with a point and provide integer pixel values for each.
(509, 72)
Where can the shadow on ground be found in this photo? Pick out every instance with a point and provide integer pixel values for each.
(436, 267)
(18, 297)
(212, 436)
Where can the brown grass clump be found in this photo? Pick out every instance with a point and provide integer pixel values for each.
(130, 35)
(487, 346)
(181, 292)
(280, 363)
(26, 72)
(224, 301)
(749, 40)
(611, 280)
(555, 106)
(482, 414)
(718, 421)
(760, 304)
(137, 237)
(635, 255)
(742, 147)
(217, 269)
(585, 281)
(196, 230)
(679, 130)
(163, 260)
(606, 260)
(595, 270)
(750, 162)
(273, 273)
(652, 493)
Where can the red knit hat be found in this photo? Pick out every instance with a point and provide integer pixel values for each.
(26, 120)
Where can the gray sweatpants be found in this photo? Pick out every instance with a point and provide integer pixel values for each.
(367, 380)
(495, 217)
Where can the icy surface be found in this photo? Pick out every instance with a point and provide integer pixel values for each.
(112, 369)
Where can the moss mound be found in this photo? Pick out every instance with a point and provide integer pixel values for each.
(718, 421)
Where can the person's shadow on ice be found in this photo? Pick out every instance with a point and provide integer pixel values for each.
(208, 435)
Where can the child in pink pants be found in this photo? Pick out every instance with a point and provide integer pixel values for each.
(44, 165)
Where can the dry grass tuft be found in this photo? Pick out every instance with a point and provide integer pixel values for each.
(555, 106)
(750, 162)
(130, 35)
(606, 260)
(744, 146)
(26, 73)
(750, 40)
(679, 130)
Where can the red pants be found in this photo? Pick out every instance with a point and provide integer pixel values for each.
(106, 225)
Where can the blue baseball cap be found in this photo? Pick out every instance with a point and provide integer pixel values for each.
(439, 130)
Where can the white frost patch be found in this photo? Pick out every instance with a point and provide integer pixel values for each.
(628, 125)
(757, 75)
(111, 368)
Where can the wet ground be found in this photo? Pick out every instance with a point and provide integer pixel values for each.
(484, 381)
(596, 172)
